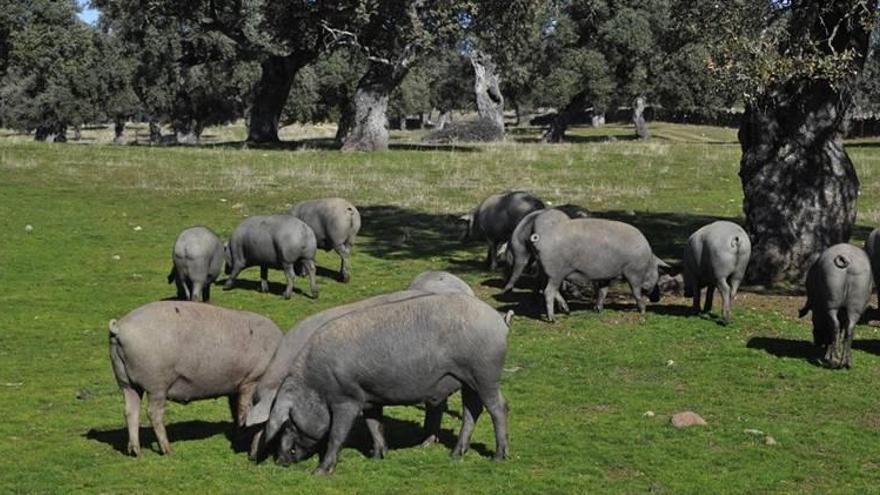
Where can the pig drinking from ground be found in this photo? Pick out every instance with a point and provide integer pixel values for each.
(872, 247)
(197, 260)
(598, 251)
(273, 241)
(839, 285)
(520, 248)
(335, 223)
(496, 217)
(716, 255)
(417, 350)
(184, 351)
(440, 282)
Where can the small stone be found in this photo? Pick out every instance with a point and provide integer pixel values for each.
(757, 433)
(117, 257)
(670, 362)
(768, 440)
(687, 418)
(648, 414)
(138, 228)
(238, 206)
(84, 394)
(28, 228)
(222, 200)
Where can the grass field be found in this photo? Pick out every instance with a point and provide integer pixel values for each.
(104, 219)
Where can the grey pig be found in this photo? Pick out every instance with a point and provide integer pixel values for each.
(185, 351)
(839, 287)
(496, 217)
(716, 255)
(273, 241)
(336, 223)
(197, 259)
(417, 350)
(872, 247)
(519, 247)
(440, 282)
(598, 251)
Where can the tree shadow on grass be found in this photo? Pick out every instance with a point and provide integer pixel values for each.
(330, 144)
(177, 432)
(788, 348)
(275, 288)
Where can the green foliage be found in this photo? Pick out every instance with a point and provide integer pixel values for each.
(322, 89)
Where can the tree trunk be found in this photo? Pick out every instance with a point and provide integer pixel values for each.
(119, 131)
(270, 96)
(443, 119)
(51, 133)
(77, 132)
(598, 119)
(563, 118)
(490, 102)
(187, 132)
(346, 122)
(155, 133)
(799, 184)
(638, 118)
(369, 131)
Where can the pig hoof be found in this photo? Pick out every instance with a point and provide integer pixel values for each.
(322, 471)
(379, 453)
(287, 295)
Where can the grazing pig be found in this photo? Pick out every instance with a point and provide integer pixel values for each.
(440, 282)
(276, 241)
(197, 260)
(417, 350)
(336, 223)
(839, 287)
(598, 251)
(519, 247)
(872, 247)
(716, 255)
(184, 351)
(496, 217)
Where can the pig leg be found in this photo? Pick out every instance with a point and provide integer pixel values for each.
(245, 397)
(233, 274)
(519, 265)
(132, 420)
(344, 251)
(312, 270)
(492, 257)
(290, 273)
(373, 417)
(157, 416)
(196, 293)
(472, 406)
(710, 294)
(725, 290)
(831, 353)
(343, 416)
(550, 297)
(254, 452)
(264, 278)
(852, 318)
(433, 419)
(207, 292)
(601, 291)
(497, 408)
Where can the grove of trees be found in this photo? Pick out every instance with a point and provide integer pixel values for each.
(796, 68)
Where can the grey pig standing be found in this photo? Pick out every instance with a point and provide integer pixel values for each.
(336, 223)
(417, 350)
(519, 247)
(598, 251)
(185, 351)
(496, 217)
(872, 247)
(716, 255)
(273, 241)
(197, 259)
(839, 285)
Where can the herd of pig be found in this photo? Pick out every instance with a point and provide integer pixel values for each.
(304, 389)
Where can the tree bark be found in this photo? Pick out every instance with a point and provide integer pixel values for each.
(346, 122)
(563, 118)
(799, 184)
(598, 119)
(490, 101)
(638, 118)
(443, 119)
(369, 130)
(270, 96)
(155, 133)
(51, 133)
(187, 132)
(119, 131)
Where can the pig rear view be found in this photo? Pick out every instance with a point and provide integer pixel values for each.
(496, 218)
(336, 223)
(197, 260)
(184, 351)
(716, 255)
(839, 287)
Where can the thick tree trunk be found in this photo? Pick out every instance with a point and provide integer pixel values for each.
(598, 119)
(51, 133)
(77, 132)
(799, 184)
(119, 131)
(369, 131)
(490, 102)
(346, 122)
(443, 119)
(638, 118)
(188, 132)
(155, 133)
(270, 95)
(563, 118)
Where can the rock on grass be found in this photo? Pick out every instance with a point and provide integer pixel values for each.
(687, 418)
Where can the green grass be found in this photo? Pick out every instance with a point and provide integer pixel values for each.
(578, 390)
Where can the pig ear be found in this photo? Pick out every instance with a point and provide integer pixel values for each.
(278, 417)
(310, 415)
(259, 413)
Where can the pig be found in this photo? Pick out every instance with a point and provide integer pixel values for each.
(186, 351)
(336, 223)
(839, 285)
(440, 282)
(598, 251)
(496, 218)
(197, 259)
(716, 255)
(276, 241)
(519, 248)
(872, 247)
(417, 350)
